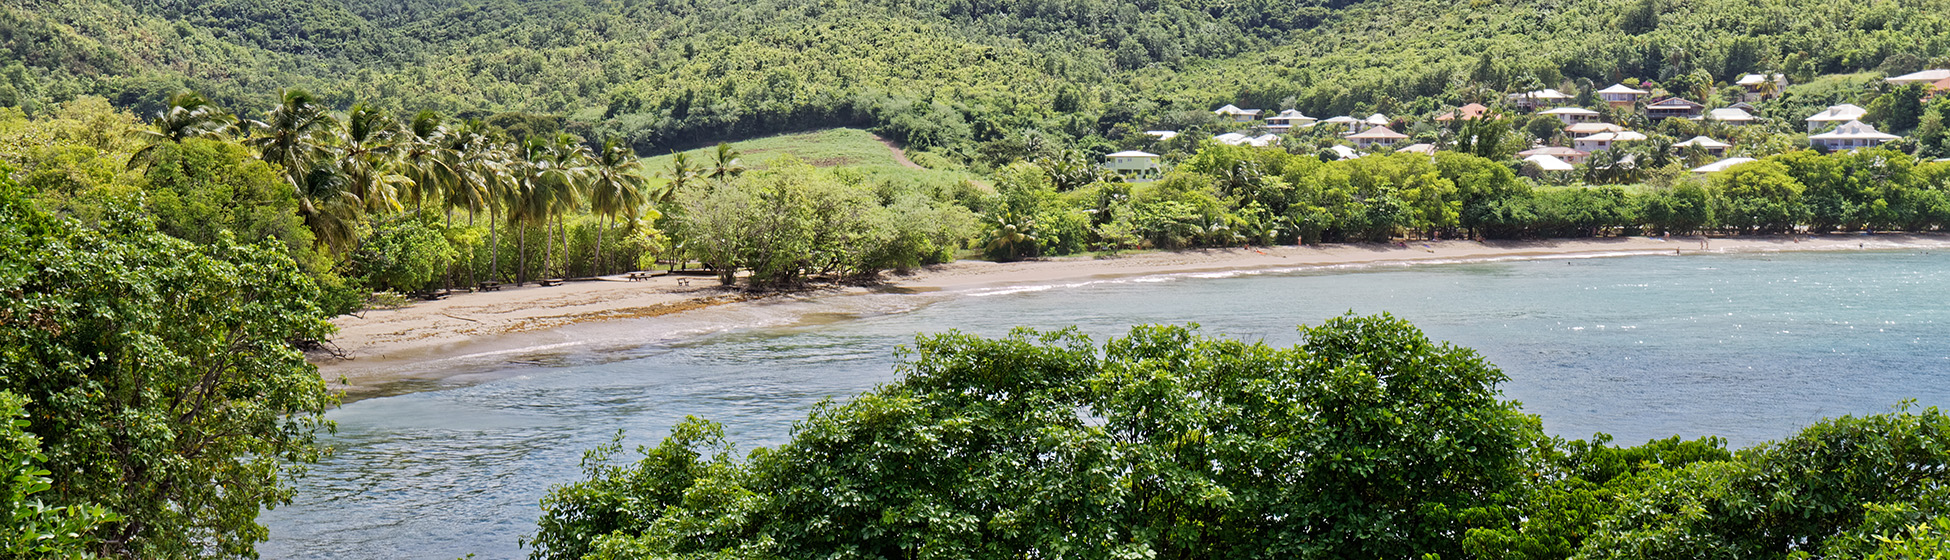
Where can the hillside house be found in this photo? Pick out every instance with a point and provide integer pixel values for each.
(1674, 107)
(1572, 115)
(1534, 100)
(1586, 129)
(1851, 135)
(1721, 165)
(1732, 116)
(1377, 136)
(1162, 134)
(1605, 140)
(1714, 147)
(1560, 153)
(1376, 119)
(1620, 96)
(1547, 163)
(1236, 114)
(1134, 164)
(1756, 86)
(1835, 115)
(1471, 111)
(1289, 120)
(1924, 77)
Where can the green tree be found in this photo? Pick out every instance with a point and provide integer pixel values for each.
(616, 189)
(34, 529)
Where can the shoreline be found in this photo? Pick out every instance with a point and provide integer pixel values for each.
(390, 348)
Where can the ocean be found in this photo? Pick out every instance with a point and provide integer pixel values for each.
(1750, 347)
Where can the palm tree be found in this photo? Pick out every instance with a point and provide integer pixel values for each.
(189, 115)
(615, 189)
(427, 158)
(568, 160)
(724, 163)
(366, 158)
(298, 136)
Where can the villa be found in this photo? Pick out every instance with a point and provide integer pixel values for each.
(1721, 165)
(1379, 135)
(1714, 147)
(1237, 139)
(1836, 114)
(1605, 140)
(1547, 163)
(1134, 164)
(1237, 115)
(1541, 98)
(1620, 96)
(1673, 107)
(1559, 153)
(1924, 77)
(1731, 115)
(1588, 128)
(1288, 120)
(1849, 136)
(1753, 84)
(1572, 115)
(1471, 111)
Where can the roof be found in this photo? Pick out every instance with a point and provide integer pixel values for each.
(1853, 130)
(1231, 138)
(1470, 111)
(1722, 165)
(1164, 134)
(1418, 149)
(1554, 151)
(1379, 133)
(1592, 128)
(1703, 141)
(1132, 153)
(1342, 120)
(1376, 119)
(1345, 152)
(1730, 114)
(1546, 93)
(1291, 115)
(1231, 110)
(1675, 103)
(1924, 76)
(1620, 136)
(1839, 113)
(1548, 163)
(1620, 88)
(1753, 79)
(1568, 111)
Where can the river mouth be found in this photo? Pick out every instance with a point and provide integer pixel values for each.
(1750, 347)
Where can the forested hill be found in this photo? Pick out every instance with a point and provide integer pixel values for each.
(962, 75)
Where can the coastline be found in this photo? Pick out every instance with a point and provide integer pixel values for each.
(385, 345)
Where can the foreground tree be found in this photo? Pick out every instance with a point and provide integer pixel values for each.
(162, 376)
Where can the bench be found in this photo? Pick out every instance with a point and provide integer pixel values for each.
(646, 275)
(551, 281)
(488, 287)
(431, 295)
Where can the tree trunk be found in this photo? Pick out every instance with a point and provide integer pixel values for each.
(548, 246)
(601, 228)
(521, 253)
(562, 225)
(494, 244)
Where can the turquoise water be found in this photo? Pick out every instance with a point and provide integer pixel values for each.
(1750, 347)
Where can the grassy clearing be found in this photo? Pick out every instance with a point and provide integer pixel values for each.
(850, 149)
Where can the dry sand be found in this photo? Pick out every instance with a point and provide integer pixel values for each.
(382, 342)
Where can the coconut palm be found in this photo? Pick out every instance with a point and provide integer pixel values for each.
(367, 156)
(189, 115)
(566, 187)
(427, 158)
(615, 188)
(724, 163)
(298, 135)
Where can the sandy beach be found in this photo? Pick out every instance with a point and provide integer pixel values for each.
(381, 342)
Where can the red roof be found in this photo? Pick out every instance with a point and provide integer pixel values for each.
(1466, 112)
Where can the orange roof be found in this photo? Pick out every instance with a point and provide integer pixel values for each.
(1466, 112)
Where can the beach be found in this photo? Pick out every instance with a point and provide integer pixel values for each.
(384, 344)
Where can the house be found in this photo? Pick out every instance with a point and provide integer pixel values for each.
(1849, 136)
(1755, 85)
(1559, 153)
(1345, 152)
(1837, 114)
(1715, 147)
(1232, 139)
(1548, 163)
(1162, 134)
(1620, 96)
(1376, 119)
(1582, 129)
(1605, 140)
(1134, 164)
(1236, 114)
(1541, 98)
(1924, 77)
(1572, 115)
(1288, 120)
(1264, 140)
(1721, 165)
(1672, 107)
(1418, 148)
(1731, 115)
(1379, 135)
(1467, 112)
(1351, 123)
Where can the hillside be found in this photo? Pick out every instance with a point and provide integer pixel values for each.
(966, 76)
(854, 151)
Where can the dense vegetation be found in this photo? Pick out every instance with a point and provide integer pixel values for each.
(1366, 440)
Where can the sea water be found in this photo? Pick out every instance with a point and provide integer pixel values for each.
(1750, 347)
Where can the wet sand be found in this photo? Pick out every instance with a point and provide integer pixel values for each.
(385, 344)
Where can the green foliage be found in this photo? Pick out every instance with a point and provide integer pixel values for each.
(34, 529)
(199, 189)
(162, 374)
(403, 254)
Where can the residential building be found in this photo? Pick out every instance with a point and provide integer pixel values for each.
(1572, 115)
(1584, 129)
(1560, 153)
(1538, 99)
(1620, 96)
(1379, 135)
(1289, 120)
(1418, 148)
(1350, 124)
(1236, 114)
(1924, 77)
(1835, 115)
(1471, 111)
(1673, 107)
(1605, 140)
(1714, 147)
(1721, 165)
(1376, 119)
(1849, 136)
(1344, 152)
(1134, 164)
(1756, 88)
(1731, 115)
(1548, 163)
(1162, 134)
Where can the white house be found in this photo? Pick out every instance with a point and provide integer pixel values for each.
(1236, 114)
(1377, 135)
(1345, 152)
(1673, 107)
(1833, 115)
(1418, 148)
(1849, 136)
(1288, 120)
(1581, 129)
(1559, 153)
(1572, 115)
(1731, 115)
(1721, 165)
(1752, 83)
(1924, 77)
(1135, 164)
(1605, 140)
(1548, 163)
(1620, 96)
(1541, 98)
(1712, 146)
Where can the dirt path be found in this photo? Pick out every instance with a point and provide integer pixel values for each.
(899, 154)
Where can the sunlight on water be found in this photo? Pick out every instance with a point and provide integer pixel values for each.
(1750, 347)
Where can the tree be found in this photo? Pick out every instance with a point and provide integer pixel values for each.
(189, 115)
(298, 137)
(367, 156)
(162, 376)
(724, 163)
(616, 189)
(34, 529)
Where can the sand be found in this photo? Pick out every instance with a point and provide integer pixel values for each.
(384, 343)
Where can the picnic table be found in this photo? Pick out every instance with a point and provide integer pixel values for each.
(646, 275)
(551, 281)
(488, 287)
